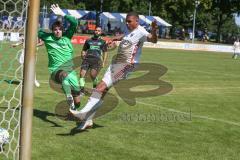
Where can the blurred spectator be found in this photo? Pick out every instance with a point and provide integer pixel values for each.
(7, 21)
(205, 35)
(117, 31)
(84, 28)
(182, 34)
(109, 26)
(173, 32)
(149, 28)
(236, 49)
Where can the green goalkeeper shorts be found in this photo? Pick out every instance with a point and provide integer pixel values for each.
(60, 75)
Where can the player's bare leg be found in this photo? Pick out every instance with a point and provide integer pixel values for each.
(93, 75)
(94, 102)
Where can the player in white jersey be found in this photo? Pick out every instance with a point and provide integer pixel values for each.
(127, 57)
(236, 48)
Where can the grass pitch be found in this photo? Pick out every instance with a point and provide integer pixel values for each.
(197, 120)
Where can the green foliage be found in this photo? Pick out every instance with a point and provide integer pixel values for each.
(65, 4)
(223, 11)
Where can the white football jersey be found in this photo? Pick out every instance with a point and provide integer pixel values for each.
(130, 48)
(236, 46)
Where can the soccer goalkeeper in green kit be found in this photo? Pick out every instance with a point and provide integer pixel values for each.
(60, 55)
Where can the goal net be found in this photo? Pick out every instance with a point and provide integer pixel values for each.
(12, 26)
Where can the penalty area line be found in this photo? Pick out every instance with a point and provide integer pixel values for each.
(193, 115)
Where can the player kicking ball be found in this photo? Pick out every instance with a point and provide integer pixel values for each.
(60, 55)
(127, 58)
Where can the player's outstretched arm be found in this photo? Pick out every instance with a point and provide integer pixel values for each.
(40, 43)
(105, 55)
(43, 35)
(73, 26)
(83, 54)
(153, 36)
(57, 10)
(118, 38)
(72, 20)
(84, 49)
(111, 45)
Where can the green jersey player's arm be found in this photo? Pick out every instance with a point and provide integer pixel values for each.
(73, 26)
(152, 37)
(84, 49)
(43, 35)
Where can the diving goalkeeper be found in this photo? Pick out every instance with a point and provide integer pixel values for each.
(60, 55)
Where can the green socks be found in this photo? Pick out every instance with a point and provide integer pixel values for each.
(82, 82)
(66, 86)
(95, 82)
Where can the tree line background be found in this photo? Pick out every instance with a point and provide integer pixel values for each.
(217, 16)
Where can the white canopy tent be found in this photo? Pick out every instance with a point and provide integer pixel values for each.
(77, 14)
(159, 20)
(117, 19)
(117, 16)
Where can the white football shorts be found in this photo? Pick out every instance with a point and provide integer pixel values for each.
(117, 72)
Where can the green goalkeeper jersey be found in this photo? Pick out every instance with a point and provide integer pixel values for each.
(60, 50)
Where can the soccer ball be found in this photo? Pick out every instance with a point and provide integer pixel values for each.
(4, 136)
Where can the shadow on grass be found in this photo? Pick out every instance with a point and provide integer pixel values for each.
(43, 116)
(16, 82)
(3, 107)
(62, 112)
(77, 131)
(2, 147)
(109, 104)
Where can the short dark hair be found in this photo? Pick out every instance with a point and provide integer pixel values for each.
(57, 24)
(132, 13)
(98, 27)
